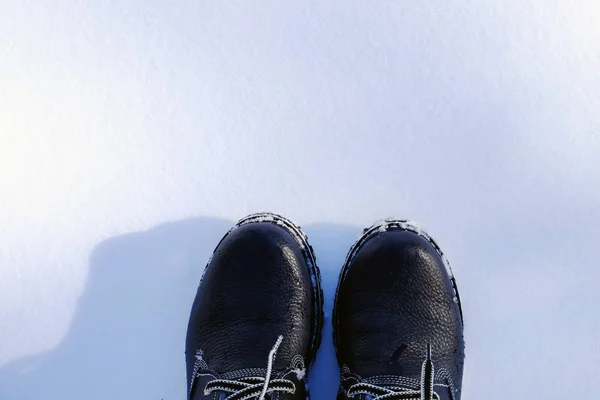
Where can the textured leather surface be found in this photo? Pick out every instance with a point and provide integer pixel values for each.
(396, 297)
(256, 287)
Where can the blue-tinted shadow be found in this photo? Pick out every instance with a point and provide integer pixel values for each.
(127, 337)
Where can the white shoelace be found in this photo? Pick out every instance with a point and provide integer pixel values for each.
(386, 393)
(253, 387)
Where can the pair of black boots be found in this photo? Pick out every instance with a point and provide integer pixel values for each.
(255, 325)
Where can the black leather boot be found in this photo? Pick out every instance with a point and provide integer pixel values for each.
(398, 327)
(256, 321)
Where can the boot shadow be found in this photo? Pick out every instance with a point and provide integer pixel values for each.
(331, 243)
(127, 336)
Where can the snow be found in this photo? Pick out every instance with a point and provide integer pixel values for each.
(133, 136)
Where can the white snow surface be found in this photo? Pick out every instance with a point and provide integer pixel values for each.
(134, 134)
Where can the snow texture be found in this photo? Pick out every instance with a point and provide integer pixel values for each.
(134, 134)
